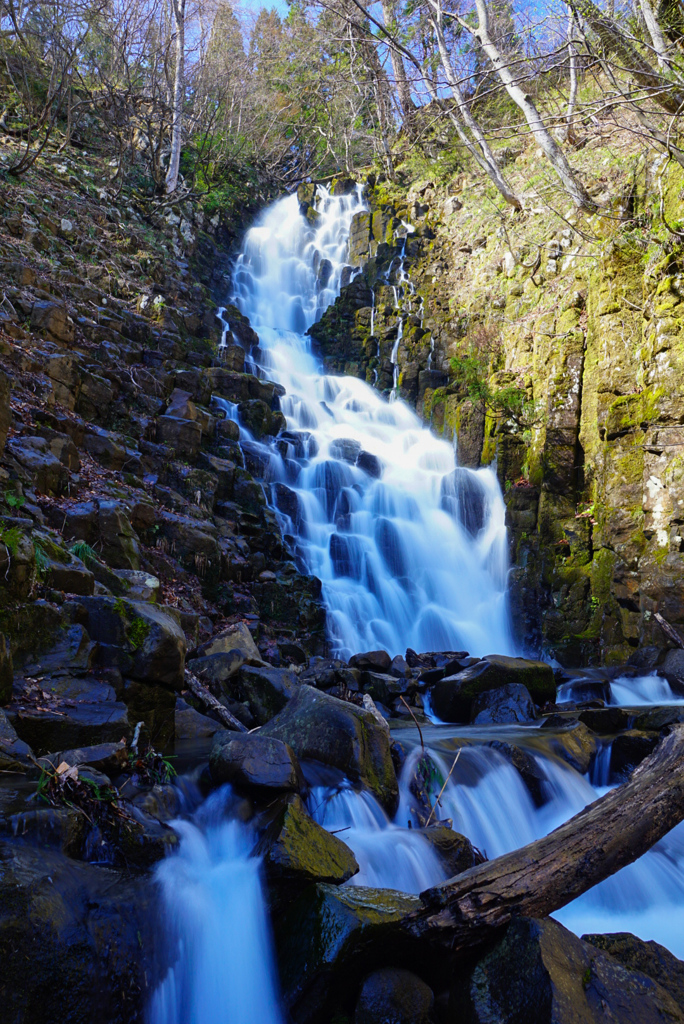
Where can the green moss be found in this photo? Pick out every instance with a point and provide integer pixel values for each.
(602, 566)
(137, 632)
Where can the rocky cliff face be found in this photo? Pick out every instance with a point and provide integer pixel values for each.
(584, 321)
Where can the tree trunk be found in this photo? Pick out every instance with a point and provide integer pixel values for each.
(178, 91)
(403, 87)
(655, 32)
(545, 875)
(490, 163)
(666, 94)
(555, 154)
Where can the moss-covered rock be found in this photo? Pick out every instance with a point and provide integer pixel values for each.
(296, 849)
(339, 734)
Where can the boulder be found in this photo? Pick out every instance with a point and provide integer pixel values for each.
(64, 727)
(298, 849)
(452, 696)
(370, 464)
(672, 668)
(323, 940)
(648, 957)
(265, 690)
(540, 973)
(47, 472)
(183, 436)
(72, 651)
(339, 734)
(371, 661)
(526, 765)
(236, 637)
(52, 319)
(606, 720)
(384, 688)
(217, 668)
(73, 939)
(655, 719)
(118, 540)
(394, 996)
(144, 641)
(15, 755)
(628, 750)
(574, 743)
(508, 704)
(108, 758)
(190, 724)
(255, 762)
(455, 851)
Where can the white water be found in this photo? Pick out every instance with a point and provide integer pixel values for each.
(624, 691)
(489, 802)
(222, 965)
(638, 690)
(388, 856)
(417, 558)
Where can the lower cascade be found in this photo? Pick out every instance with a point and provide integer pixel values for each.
(223, 971)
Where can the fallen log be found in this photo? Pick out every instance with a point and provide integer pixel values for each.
(209, 700)
(546, 875)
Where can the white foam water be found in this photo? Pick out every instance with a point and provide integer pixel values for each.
(216, 926)
(388, 856)
(489, 803)
(415, 558)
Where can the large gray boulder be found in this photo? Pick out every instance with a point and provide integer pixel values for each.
(394, 996)
(509, 704)
(298, 849)
(452, 697)
(144, 641)
(256, 762)
(540, 973)
(335, 732)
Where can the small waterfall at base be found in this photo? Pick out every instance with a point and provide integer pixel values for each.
(411, 550)
(489, 803)
(223, 970)
(388, 856)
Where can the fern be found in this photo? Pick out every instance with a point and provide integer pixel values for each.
(42, 559)
(84, 551)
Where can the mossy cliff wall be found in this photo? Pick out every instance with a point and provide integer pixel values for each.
(586, 320)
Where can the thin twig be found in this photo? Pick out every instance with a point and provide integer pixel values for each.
(458, 754)
(415, 720)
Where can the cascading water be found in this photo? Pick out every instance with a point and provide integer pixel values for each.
(387, 855)
(222, 966)
(488, 801)
(411, 551)
(623, 691)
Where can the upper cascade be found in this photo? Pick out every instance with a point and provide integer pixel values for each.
(411, 549)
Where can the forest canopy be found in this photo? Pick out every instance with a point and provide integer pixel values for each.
(178, 95)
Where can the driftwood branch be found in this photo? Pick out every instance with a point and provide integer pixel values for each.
(209, 701)
(669, 631)
(545, 875)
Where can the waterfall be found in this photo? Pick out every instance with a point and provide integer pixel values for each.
(623, 691)
(410, 549)
(222, 965)
(489, 803)
(388, 856)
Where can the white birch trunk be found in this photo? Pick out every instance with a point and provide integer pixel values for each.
(540, 132)
(178, 7)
